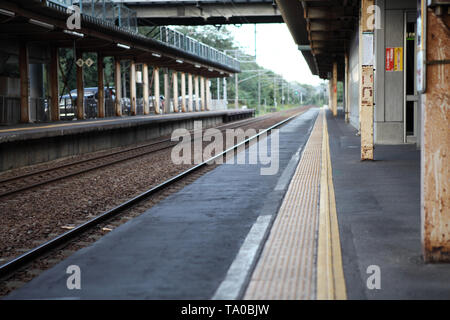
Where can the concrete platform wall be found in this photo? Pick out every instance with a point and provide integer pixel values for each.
(16, 151)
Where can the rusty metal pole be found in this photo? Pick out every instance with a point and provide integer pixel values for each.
(24, 68)
(118, 85)
(133, 87)
(54, 85)
(80, 86)
(145, 89)
(366, 94)
(183, 92)
(435, 172)
(101, 87)
(156, 88)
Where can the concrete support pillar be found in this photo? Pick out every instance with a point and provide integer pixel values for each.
(197, 94)
(118, 86)
(166, 91)
(334, 93)
(367, 85)
(145, 88)
(101, 87)
(202, 93)
(183, 92)
(54, 84)
(435, 171)
(346, 91)
(208, 95)
(191, 98)
(80, 87)
(156, 88)
(133, 87)
(175, 90)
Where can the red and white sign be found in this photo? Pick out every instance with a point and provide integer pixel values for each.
(390, 59)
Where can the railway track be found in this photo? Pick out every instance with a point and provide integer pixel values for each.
(16, 184)
(28, 257)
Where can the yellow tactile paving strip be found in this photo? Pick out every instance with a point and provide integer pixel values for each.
(302, 256)
(330, 274)
(286, 267)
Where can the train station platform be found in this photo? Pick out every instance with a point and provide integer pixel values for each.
(28, 144)
(317, 229)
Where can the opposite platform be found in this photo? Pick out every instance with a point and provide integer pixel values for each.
(30, 144)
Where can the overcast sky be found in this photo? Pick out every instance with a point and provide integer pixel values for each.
(276, 50)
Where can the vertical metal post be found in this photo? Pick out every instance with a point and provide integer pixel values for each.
(218, 88)
(100, 87)
(366, 93)
(334, 88)
(208, 94)
(166, 91)
(202, 93)
(197, 94)
(190, 97)
(145, 88)
(225, 90)
(118, 81)
(24, 68)
(80, 87)
(346, 91)
(54, 85)
(183, 92)
(156, 88)
(274, 92)
(133, 87)
(236, 91)
(175, 90)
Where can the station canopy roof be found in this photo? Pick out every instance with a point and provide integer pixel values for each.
(322, 30)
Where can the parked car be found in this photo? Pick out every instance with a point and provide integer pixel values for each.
(67, 106)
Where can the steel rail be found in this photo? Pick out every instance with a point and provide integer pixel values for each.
(84, 170)
(28, 256)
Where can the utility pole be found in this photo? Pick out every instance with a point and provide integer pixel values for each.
(259, 79)
(282, 92)
(236, 88)
(288, 93)
(274, 92)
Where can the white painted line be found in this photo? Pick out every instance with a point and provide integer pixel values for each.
(239, 271)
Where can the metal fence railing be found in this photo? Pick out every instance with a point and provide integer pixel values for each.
(178, 40)
(9, 110)
(106, 11)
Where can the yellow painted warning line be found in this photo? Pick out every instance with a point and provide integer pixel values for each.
(330, 273)
(58, 125)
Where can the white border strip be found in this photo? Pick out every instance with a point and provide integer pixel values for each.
(231, 287)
